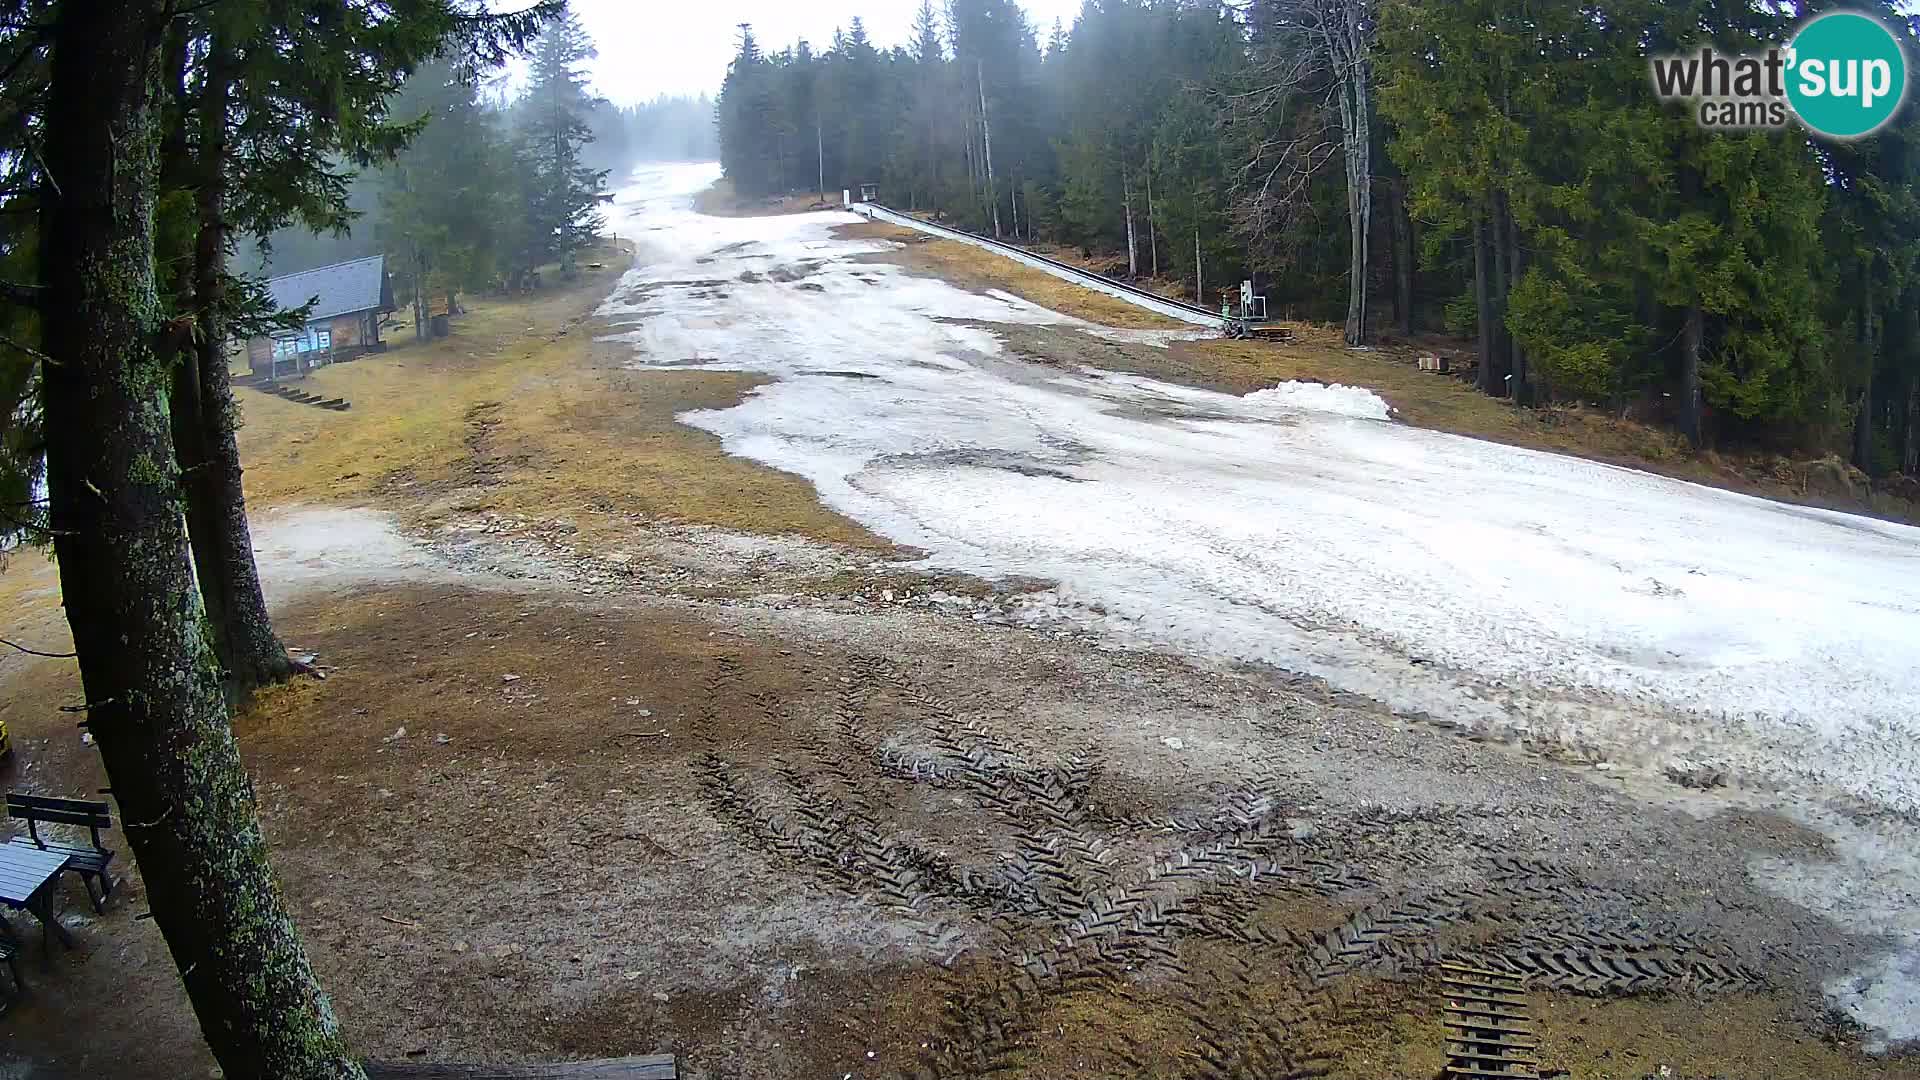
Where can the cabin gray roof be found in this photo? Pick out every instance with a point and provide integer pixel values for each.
(342, 288)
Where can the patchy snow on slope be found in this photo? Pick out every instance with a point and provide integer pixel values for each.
(1617, 614)
(1623, 614)
(309, 547)
(1159, 339)
(1323, 397)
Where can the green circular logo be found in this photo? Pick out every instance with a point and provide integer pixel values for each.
(1846, 74)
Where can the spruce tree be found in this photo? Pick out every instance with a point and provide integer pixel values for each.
(23, 62)
(267, 102)
(443, 199)
(564, 193)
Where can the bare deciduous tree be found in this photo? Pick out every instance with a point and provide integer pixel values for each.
(1308, 99)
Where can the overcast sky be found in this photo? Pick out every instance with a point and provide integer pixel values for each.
(653, 47)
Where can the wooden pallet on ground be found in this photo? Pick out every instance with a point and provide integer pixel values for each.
(1489, 1034)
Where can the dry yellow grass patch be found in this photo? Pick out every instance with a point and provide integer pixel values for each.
(605, 444)
(521, 412)
(1742, 1035)
(33, 687)
(1400, 1035)
(407, 414)
(277, 708)
(1115, 265)
(980, 269)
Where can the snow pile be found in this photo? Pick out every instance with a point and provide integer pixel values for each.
(1336, 398)
(1864, 883)
(1883, 997)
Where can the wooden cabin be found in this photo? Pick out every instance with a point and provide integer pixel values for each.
(349, 300)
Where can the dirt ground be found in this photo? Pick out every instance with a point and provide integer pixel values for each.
(626, 746)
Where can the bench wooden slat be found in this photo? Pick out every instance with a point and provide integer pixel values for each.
(61, 817)
(90, 861)
(20, 859)
(651, 1067)
(25, 869)
(49, 802)
(20, 886)
(59, 845)
(40, 808)
(27, 798)
(88, 858)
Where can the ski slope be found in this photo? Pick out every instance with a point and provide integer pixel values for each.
(1618, 615)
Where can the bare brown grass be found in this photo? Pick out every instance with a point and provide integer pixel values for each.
(979, 269)
(522, 412)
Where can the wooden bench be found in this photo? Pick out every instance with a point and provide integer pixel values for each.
(89, 862)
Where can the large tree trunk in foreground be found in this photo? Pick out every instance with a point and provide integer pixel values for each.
(243, 637)
(156, 708)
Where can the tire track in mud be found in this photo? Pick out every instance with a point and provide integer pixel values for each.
(1079, 900)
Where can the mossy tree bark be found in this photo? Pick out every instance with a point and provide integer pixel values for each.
(156, 706)
(243, 636)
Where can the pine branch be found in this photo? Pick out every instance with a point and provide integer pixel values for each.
(28, 350)
(177, 10)
(37, 652)
(28, 526)
(27, 296)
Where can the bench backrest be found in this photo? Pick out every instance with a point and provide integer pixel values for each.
(34, 809)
